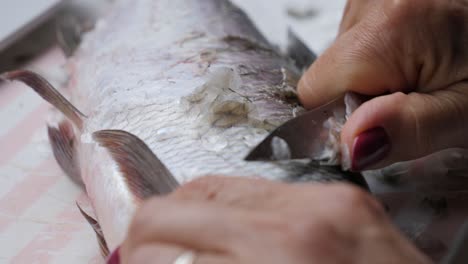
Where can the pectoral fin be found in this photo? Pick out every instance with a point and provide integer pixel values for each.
(299, 51)
(144, 173)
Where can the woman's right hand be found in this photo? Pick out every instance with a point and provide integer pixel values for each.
(413, 55)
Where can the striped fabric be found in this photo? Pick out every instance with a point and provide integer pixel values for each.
(39, 221)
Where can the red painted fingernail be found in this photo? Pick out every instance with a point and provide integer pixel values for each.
(369, 148)
(114, 258)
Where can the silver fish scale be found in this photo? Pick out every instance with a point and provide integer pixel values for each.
(200, 86)
(195, 81)
(177, 141)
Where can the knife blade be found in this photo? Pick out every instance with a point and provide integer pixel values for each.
(304, 137)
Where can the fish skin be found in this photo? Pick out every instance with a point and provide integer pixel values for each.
(159, 70)
(195, 81)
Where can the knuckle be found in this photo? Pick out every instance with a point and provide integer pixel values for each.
(142, 216)
(399, 97)
(309, 229)
(306, 232)
(208, 179)
(395, 14)
(401, 7)
(395, 106)
(356, 200)
(202, 182)
(357, 2)
(135, 257)
(138, 224)
(204, 188)
(139, 254)
(454, 106)
(351, 195)
(314, 234)
(402, 11)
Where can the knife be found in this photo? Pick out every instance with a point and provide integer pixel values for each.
(304, 137)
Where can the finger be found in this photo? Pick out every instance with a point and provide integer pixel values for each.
(362, 60)
(265, 196)
(251, 194)
(400, 127)
(195, 225)
(164, 254)
(240, 192)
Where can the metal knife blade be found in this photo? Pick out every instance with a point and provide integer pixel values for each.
(303, 137)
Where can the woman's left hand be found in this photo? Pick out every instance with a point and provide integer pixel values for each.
(236, 220)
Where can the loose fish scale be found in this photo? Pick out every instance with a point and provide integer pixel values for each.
(161, 115)
(184, 153)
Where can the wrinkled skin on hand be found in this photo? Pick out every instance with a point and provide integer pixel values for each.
(238, 220)
(412, 55)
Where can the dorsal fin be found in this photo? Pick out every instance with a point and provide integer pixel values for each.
(69, 31)
(145, 174)
(97, 229)
(299, 51)
(48, 92)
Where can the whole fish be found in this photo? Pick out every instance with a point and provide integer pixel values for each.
(164, 91)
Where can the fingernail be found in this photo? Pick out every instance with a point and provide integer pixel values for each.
(114, 258)
(369, 148)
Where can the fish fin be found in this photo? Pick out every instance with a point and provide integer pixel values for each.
(97, 229)
(144, 173)
(69, 31)
(62, 140)
(299, 51)
(48, 92)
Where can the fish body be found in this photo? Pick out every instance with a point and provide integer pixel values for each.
(193, 79)
(194, 82)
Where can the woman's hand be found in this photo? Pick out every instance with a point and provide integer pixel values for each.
(236, 220)
(413, 54)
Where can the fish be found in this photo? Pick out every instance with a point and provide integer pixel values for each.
(161, 92)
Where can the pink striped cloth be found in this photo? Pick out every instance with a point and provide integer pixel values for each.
(39, 221)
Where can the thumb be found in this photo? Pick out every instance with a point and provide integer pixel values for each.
(400, 127)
